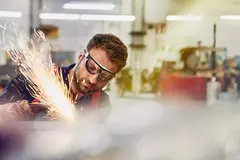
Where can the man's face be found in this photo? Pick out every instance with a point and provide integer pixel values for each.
(92, 73)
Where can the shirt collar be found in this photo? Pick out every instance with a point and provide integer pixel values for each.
(70, 67)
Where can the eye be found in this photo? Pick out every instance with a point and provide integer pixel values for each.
(91, 66)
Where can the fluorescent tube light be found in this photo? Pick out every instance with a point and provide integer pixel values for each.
(10, 14)
(89, 5)
(183, 18)
(99, 17)
(59, 16)
(230, 17)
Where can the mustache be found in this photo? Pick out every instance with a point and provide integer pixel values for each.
(87, 81)
(78, 81)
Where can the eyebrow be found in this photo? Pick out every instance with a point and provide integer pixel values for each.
(101, 66)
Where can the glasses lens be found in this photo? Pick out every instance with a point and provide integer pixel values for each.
(91, 66)
(105, 76)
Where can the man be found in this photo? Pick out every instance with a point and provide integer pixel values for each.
(104, 56)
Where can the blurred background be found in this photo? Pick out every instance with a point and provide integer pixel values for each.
(178, 49)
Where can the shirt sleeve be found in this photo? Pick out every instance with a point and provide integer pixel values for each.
(16, 90)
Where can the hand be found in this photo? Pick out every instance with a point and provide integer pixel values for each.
(21, 110)
(36, 108)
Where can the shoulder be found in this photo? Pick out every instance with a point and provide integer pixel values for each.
(105, 100)
(68, 68)
(65, 70)
(104, 94)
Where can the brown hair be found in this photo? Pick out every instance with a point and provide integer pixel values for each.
(113, 46)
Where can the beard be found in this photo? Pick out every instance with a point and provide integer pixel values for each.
(80, 85)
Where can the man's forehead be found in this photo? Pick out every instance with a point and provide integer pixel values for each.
(98, 55)
(97, 51)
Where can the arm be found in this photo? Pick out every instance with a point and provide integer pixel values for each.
(14, 102)
(16, 90)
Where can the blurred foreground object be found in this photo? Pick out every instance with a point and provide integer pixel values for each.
(12, 140)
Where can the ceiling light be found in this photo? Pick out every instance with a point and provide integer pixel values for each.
(99, 17)
(59, 16)
(11, 14)
(230, 17)
(183, 18)
(89, 5)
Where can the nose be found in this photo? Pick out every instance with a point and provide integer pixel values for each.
(93, 79)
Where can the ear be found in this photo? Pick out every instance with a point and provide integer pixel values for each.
(81, 56)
